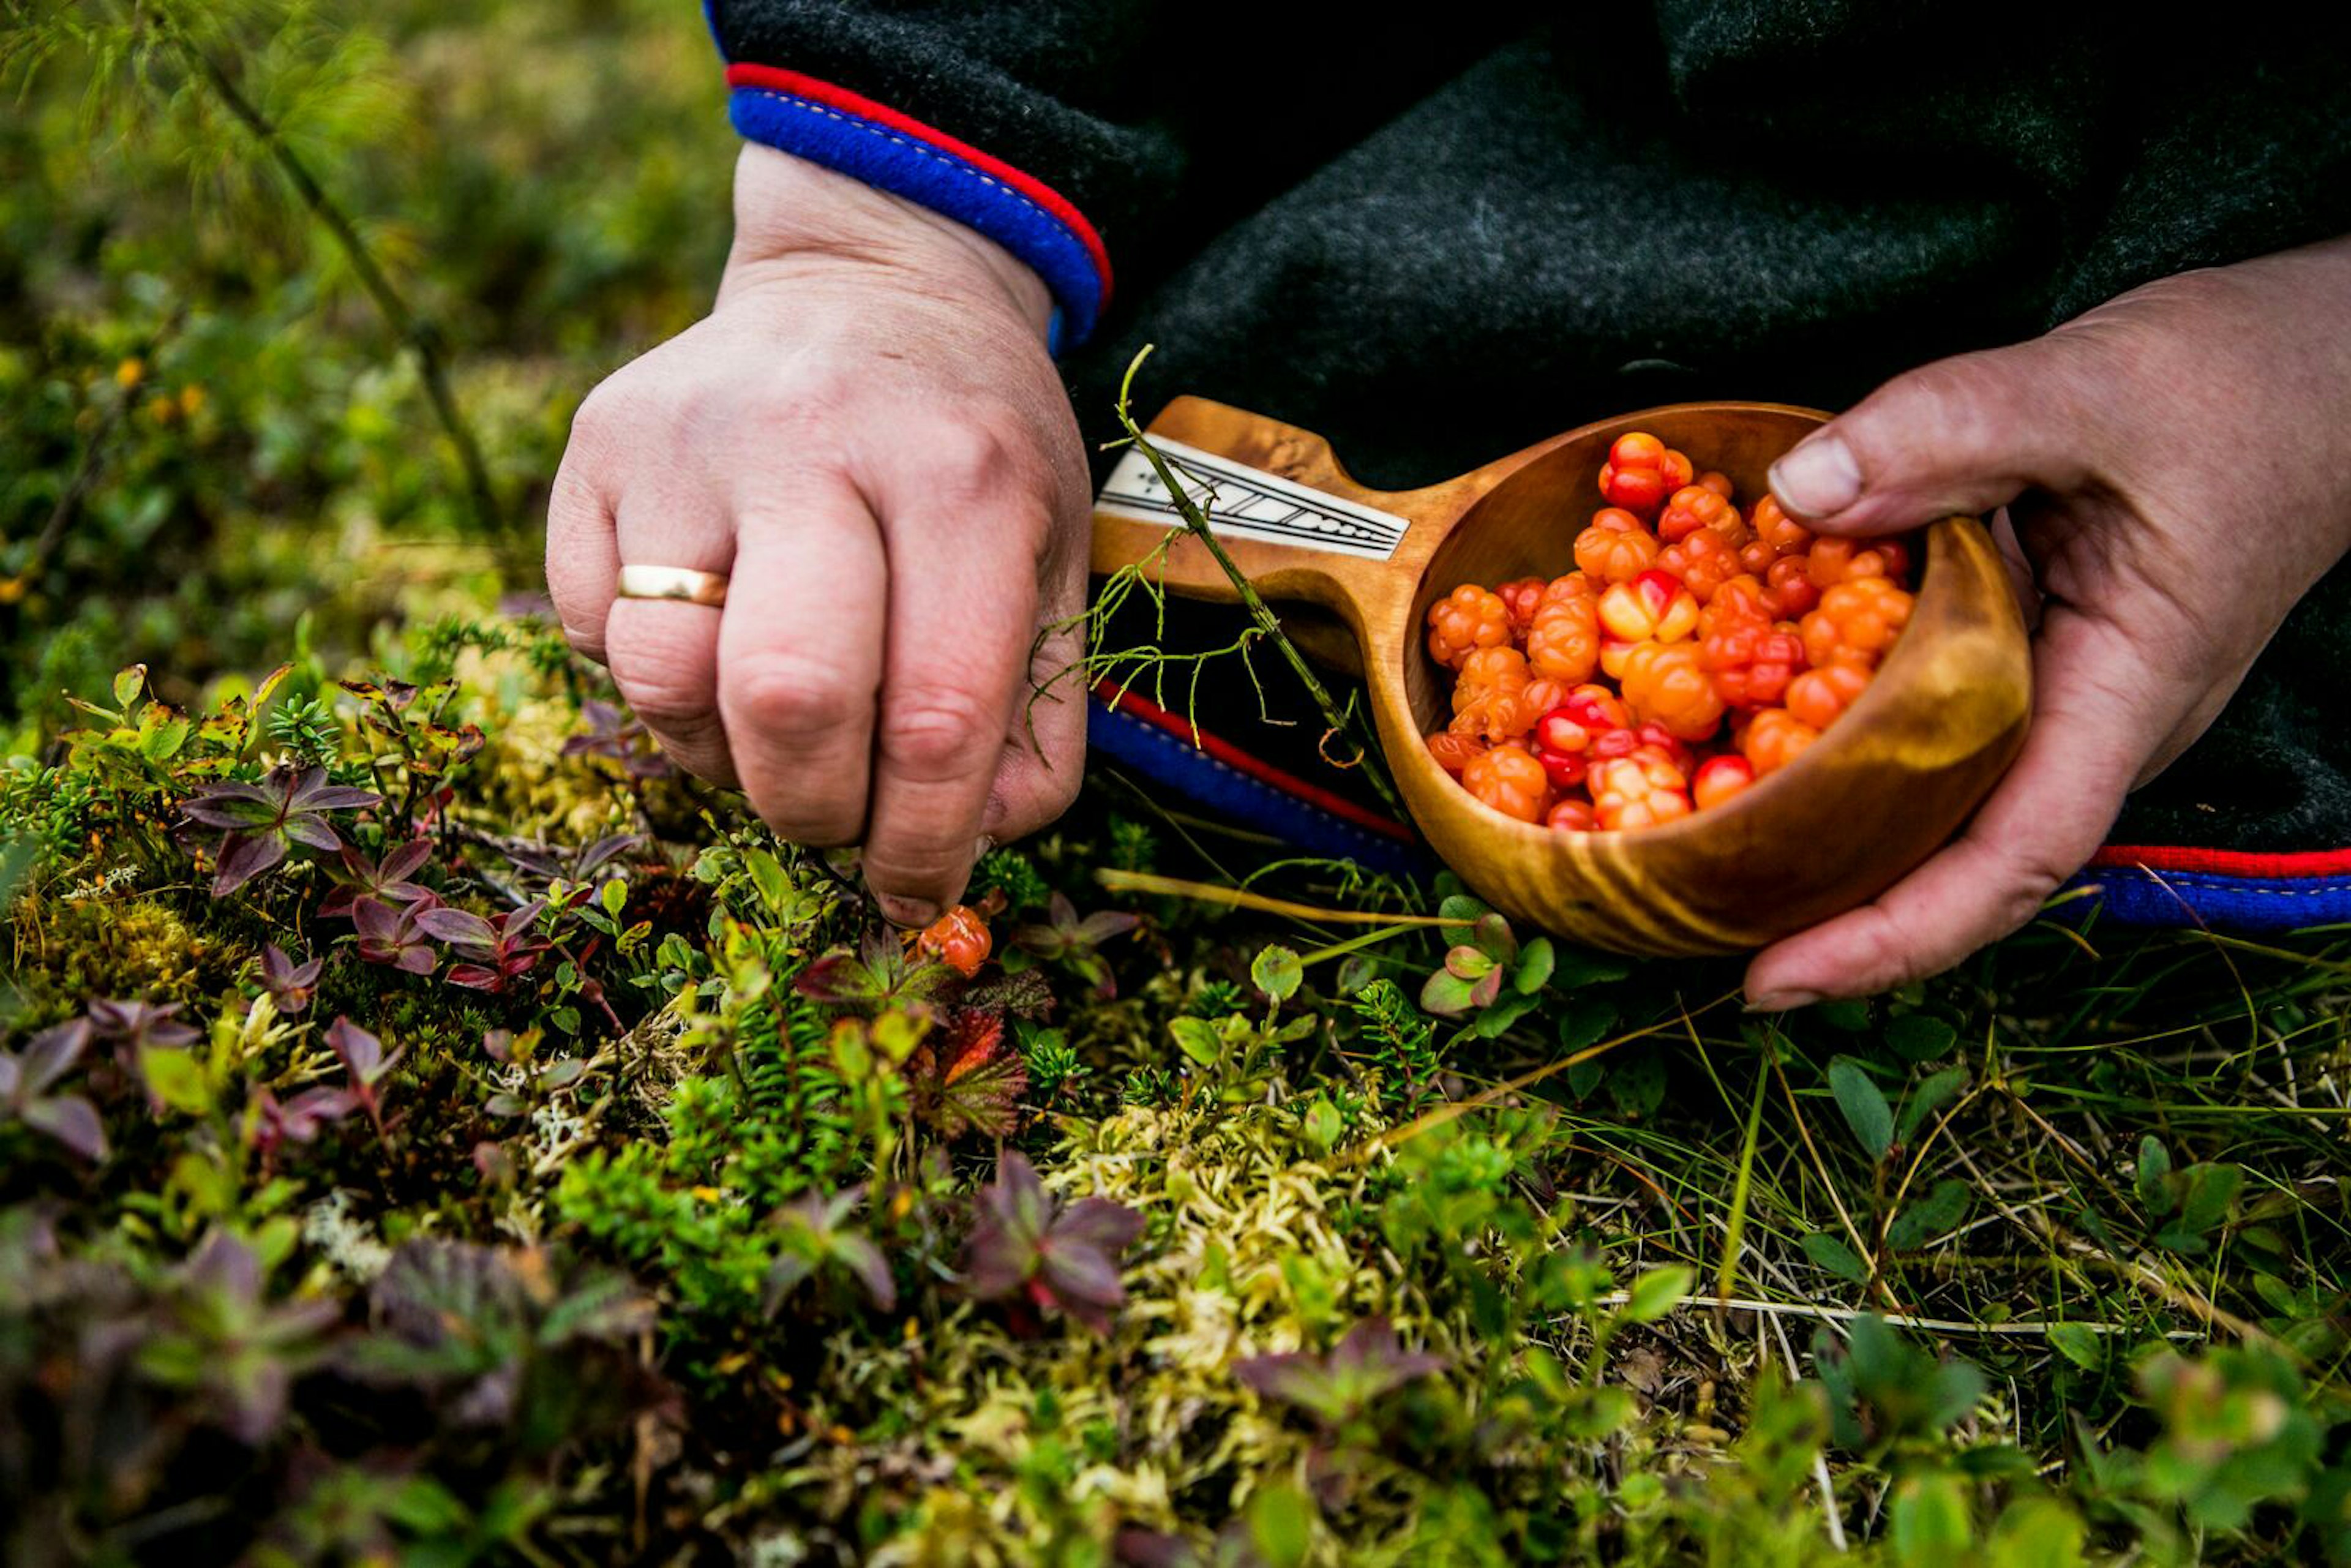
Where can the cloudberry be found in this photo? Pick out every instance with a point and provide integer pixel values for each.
(1752, 661)
(1617, 546)
(1520, 597)
(1718, 779)
(1564, 643)
(1572, 816)
(1773, 526)
(1453, 750)
(1703, 561)
(1464, 620)
(1774, 738)
(1510, 781)
(1834, 560)
(1857, 620)
(1637, 792)
(1717, 482)
(1820, 694)
(1666, 684)
(958, 938)
(1653, 607)
(1790, 587)
(1491, 697)
(1694, 507)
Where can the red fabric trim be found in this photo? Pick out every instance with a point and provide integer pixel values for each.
(745, 74)
(2225, 862)
(1233, 756)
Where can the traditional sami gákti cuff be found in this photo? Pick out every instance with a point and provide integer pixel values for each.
(891, 152)
(2224, 889)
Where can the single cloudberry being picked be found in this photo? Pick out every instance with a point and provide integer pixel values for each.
(1703, 561)
(959, 939)
(1643, 790)
(1564, 643)
(1773, 526)
(1464, 620)
(1774, 738)
(1617, 547)
(1654, 607)
(1510, 781)
(1667, 685)
(1752, 661)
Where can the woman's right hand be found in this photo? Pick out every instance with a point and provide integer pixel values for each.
(868, 434)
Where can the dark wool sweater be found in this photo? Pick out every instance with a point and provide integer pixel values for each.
(1435, 244)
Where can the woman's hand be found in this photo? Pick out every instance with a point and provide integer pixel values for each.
(867, 434)
(2177, 466)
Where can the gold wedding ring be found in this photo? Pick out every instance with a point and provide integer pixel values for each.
(679, 582)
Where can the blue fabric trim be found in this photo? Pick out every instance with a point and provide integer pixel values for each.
(1166, 759)
(903, 166)
(2134, 896)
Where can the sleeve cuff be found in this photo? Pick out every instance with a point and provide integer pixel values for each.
(892, 152)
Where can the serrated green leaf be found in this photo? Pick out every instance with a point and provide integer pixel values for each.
(1865, 1107)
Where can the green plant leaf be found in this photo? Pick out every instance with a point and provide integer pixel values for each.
(1503, 1012)
(2206, 1192)
(2079, 1343)
(1280, 1526)
(1584, 1021)
(1931, 1523)
(1536, 961)
(129, 682)
(2154, 1165)
(1637, 1085)
(1928, 1098)
(1920, 1036)
(1941, 1210)
(1447, 994)
(1277, 972)
(1197, 1039)
(1657, 1292)
(1864, 1108)
(1829, 1253)
(176, 1078)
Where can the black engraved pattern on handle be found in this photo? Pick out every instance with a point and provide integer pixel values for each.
(1249, 503)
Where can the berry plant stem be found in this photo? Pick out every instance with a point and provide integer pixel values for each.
(1341, 720)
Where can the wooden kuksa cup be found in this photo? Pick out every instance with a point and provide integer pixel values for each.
(1882, 789)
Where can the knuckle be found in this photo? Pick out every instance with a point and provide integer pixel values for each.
(791, 696)
(938, 731)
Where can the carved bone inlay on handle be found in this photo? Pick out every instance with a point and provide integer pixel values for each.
(1249, 503)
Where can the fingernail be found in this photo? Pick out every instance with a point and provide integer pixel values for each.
(906, 911)
(1819, 479)
(1782, 1001)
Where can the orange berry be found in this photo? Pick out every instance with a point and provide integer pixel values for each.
(1676, 470)
(1718, 483)
(1453, 750)
(1489, 698)
(1572, 816)
(1616, 548)
(1774, 738)
(958, 938)
(1751, 661)
(1836, 560)
(1857, 620)
(1790, 588)
(1464, 620)
(1520, 597)
(1564, 643)
(1694, 507)
(1703, 561)
(1740, 597)
(1665, 684)
(1821, 694)
(1643, 790)
(1773, 526)
(1652, 606)
(1718, 779)
(1510, 781)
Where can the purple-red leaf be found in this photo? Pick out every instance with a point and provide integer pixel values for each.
(1068, 1261)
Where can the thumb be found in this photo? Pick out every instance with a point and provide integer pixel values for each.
(1962, 434)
